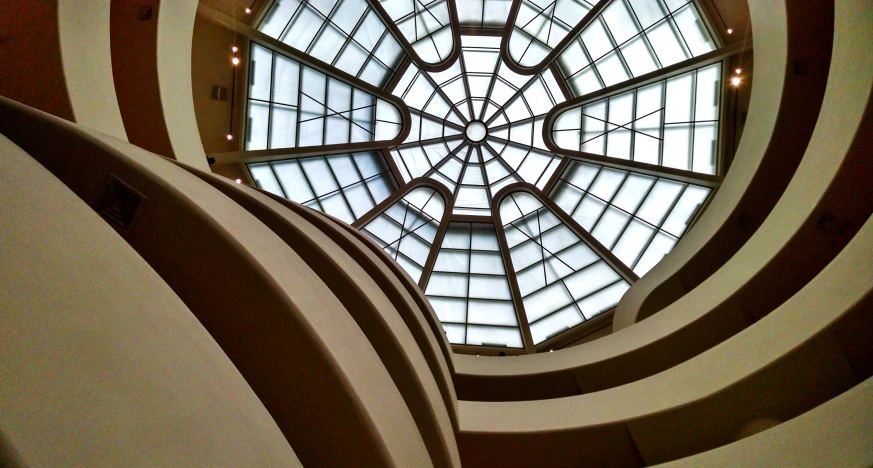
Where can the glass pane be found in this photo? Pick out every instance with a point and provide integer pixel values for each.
(416, 216)
(471, 253)
(345, 34)
(646, 36)
(345, 186)
(673, 122)
(555, 268)
(631, 214)
(291, 105)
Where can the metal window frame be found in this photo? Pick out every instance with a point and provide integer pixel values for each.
(721, 54)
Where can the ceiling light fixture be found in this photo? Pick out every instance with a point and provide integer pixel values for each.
(735, 81)
(234, 48)
(239, 181)
(229, 137)
(730, 31)
(235, 61)
(738, 70)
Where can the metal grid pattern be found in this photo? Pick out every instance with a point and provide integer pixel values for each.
(426, 24)
(407, 229)
(292, 105)
(469, 291)
(477, 88)
(347, 34)
(639, 218)
(484, 14)
(540, 25)
(671, 123)
(562, 280)
(345, 186)
(631, 38)
(483, 277)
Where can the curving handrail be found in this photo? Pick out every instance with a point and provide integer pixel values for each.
(83, 31)
(291, 338)
(103, 364)
(370, 306)
(710, 313)
(809, 440)
(782, 114)
(787, 364)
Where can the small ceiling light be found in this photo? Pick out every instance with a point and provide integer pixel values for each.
(735, 81)
(730, 31)
(229, 137)
(239, 181)
(234, 48)
(235, 61)
(551, 350)
(248, 11)
(739, 70)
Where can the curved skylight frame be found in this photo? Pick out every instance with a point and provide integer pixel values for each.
(259, 39)
(397, 209)
(648, 123)
(478, 87)
(524, 30)
(425, 13)
(292, 105)
(583, 239)
(360, 44)
(546, 187)
(345, 186)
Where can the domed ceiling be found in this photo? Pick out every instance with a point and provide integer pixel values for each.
(524, 161)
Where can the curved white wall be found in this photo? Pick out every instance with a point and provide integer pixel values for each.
(83, 29)
(102, 364)
(175, 33)
(770, 21)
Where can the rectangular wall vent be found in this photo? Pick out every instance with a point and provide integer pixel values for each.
(219, 93)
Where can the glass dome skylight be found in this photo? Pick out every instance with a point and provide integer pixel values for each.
(524, 197)
(477, 127)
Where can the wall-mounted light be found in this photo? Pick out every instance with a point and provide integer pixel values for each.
(235, 61)
(739, 70)
(239, 181)
(730, 31)
(234, 49)
(248, 11)
(229, 137)
(249, 8)
(735, 81)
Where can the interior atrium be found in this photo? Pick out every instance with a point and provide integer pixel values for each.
(480, 233)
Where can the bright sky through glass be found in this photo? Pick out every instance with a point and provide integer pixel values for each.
(559, 247)
(477, 88)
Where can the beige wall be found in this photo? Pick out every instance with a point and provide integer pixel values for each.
(211, 65)
(175, 31)
(83, 27)
(134, 68)
(103, 365)
(31, 70)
